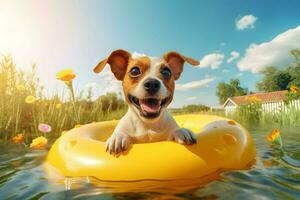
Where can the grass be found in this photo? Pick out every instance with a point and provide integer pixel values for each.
(192, 108)
(64, 111)
(23, 105)
(252, 114)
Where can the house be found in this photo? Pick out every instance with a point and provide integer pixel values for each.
(271, 101)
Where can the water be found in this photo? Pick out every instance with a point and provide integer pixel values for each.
(276, 175)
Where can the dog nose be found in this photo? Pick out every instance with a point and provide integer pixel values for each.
(151, 86)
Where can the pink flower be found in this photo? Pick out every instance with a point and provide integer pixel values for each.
(45, 128)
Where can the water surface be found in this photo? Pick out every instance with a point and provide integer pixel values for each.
(276, 175)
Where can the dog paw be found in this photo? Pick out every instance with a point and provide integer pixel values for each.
(118, 143)
(184, 136)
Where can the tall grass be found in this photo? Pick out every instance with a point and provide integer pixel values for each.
(19, 116)
(192, 108)
(287, 118)
(252, 115)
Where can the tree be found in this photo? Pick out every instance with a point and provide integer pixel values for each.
(275, 79)
(296, 54)
(110, 101)
(231, 89)
(294, 69)
(192, 108)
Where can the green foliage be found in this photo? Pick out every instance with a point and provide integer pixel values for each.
(253, 115)
(293, 94)
(294, 69)
(111, 101)
(288, 118)
(231, 89)
(275, 79)
(21, 117)
(188, 109)
(196, 108)
(247, 114)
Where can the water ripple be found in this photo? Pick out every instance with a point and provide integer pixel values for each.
(276, 175)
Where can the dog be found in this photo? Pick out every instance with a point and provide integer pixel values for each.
(148, 85)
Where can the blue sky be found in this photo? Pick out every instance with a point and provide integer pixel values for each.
(78, 34)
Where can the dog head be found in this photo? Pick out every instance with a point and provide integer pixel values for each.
(148, 82)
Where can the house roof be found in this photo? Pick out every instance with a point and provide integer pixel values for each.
(262, 97)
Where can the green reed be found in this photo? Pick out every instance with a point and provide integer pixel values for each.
(252, 114)
(19, 116)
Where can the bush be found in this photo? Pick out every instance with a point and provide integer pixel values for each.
(193, 108)
(249, 113)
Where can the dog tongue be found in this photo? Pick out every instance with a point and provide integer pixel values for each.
(150, 105)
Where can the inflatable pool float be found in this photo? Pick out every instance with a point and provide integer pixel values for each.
(222, 145)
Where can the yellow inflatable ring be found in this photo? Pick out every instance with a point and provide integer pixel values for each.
(222, 144)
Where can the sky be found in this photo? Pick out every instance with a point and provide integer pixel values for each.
(231, 39)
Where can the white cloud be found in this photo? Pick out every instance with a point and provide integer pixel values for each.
(136, 55)
(223, 44)
(194, 84)
(233, 55)
(107, 83)
(213, 60)
(246, 21)
(192, 98)
(274, 52)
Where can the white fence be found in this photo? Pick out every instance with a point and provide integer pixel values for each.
(275, 107)
(272, 107)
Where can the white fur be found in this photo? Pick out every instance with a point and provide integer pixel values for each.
(139, 91)
(133, 128)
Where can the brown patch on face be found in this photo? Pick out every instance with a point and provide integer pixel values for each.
(168, 82)
(143, 63)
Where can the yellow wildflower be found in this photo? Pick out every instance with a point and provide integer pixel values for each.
(58, 106)
(18, 139)
(30, 99)
(39, 143)
(20, 87)
(294, 89)
(77, 126)
(63, 132)
(275, 137)
(66, 75)
(274, 134)
(253, 98)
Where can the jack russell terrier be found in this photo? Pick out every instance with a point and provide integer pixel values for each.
(148, 85)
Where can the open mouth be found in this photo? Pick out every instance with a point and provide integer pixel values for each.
(148, 107)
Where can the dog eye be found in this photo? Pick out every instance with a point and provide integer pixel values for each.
(166, 73)
(134, 72)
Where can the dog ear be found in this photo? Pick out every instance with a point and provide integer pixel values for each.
(118, 61)
(176, 61)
